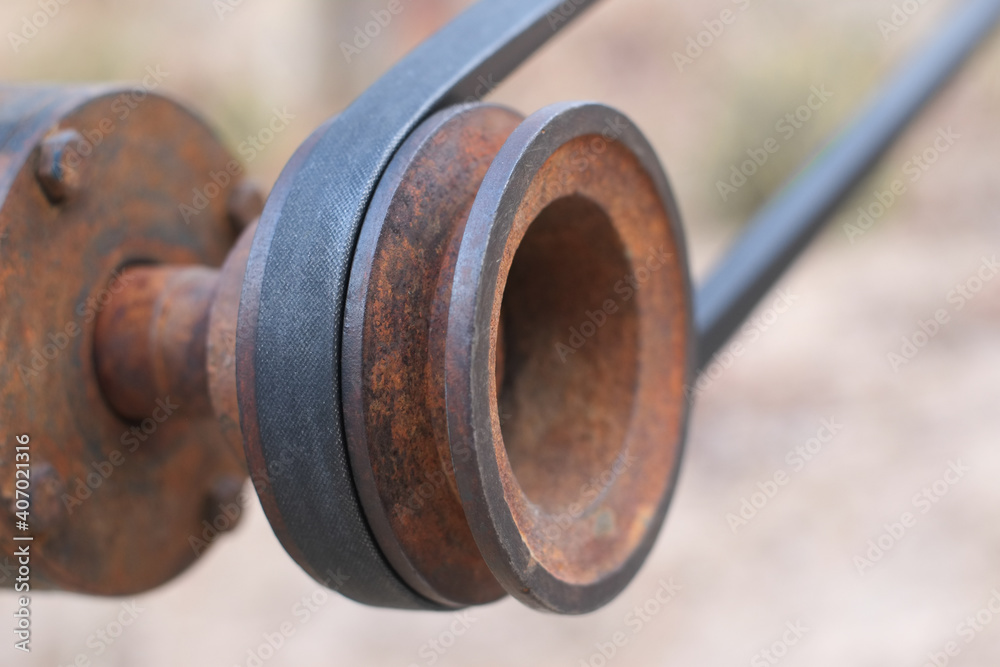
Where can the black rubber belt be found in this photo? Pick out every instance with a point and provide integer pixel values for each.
(308, 233)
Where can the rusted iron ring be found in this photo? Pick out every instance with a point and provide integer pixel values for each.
(513, 387)
(574, 244)
(392, 359)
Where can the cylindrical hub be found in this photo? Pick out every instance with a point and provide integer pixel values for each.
(150, 342)
(515, 354)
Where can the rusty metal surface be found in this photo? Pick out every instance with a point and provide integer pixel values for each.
(447, 325)
(221, 343)
(172, 331)
(557, 502)
(150, 340)
(582, 356)
(393, 353)
(119, 506)
(573, 459)
(509, 365)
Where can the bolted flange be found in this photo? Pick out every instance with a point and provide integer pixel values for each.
(115, 499)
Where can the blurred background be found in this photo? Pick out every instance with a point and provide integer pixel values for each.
(820, 574)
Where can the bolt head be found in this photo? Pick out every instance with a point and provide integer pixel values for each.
(245, 204)
(59, 165)
(224, 504)
(47, 509)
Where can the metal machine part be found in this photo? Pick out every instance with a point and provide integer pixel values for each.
(473, 417)
(456, 370)
(90, 181)
(486, 240)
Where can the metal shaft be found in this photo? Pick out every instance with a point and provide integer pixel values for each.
(781, 230)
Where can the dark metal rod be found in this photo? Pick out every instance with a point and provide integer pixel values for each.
(781, 230)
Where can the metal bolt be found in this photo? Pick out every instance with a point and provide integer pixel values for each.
(59, 165)
(47, 510)
(245, 204)
(223, 505)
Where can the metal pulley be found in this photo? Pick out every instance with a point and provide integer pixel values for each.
(451, 350)
(488, 241)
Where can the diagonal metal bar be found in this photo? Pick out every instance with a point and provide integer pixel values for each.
(782, 229)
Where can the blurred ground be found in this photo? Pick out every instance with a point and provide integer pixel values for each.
(795, 562)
